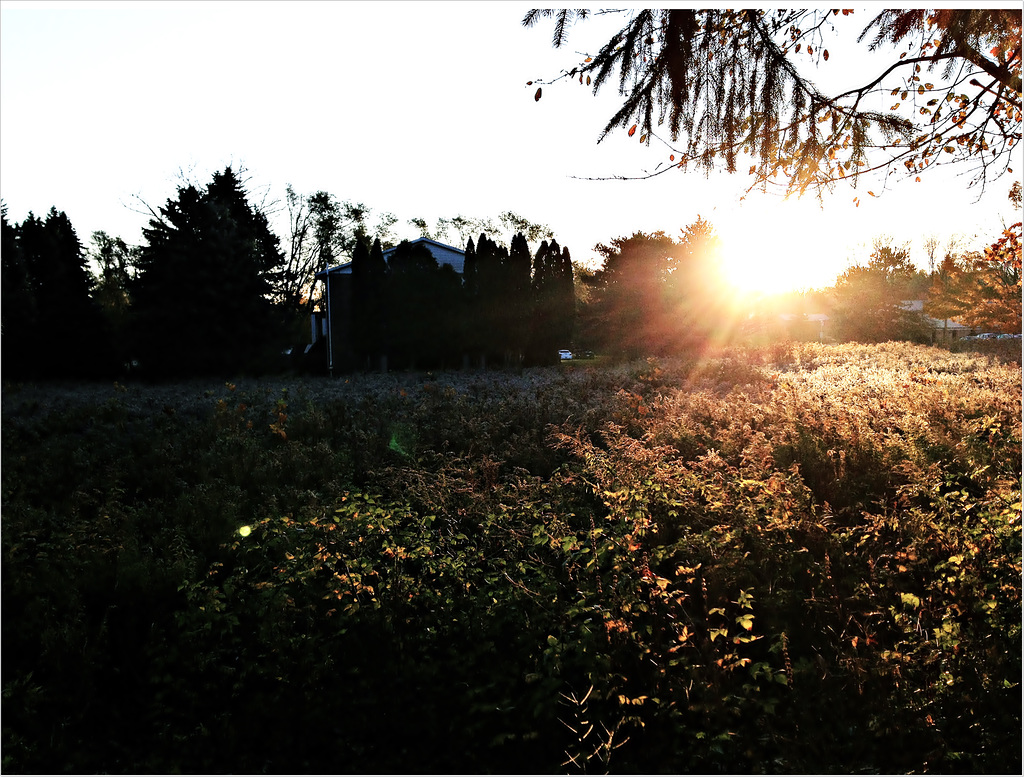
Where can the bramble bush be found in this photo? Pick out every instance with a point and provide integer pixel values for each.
(789, 559)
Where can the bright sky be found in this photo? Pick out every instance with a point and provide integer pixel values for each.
(417, 108)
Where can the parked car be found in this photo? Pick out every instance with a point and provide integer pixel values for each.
(563, 354)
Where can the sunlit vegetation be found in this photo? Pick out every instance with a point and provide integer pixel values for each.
(798, 558)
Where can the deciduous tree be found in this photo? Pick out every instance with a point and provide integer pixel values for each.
(727, 88)
(869, 300)
(982, 290)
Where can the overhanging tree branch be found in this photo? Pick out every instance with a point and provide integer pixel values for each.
(722, 80)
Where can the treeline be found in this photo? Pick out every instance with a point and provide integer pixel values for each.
(507, 309)
(210, 292)
(197, 298)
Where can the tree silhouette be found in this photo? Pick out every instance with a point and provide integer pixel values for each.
(52, 326)
(630, 289)
(18, 309)
(491, 260)
(116, 262)
(202, 299)
(736, 84)
(413, 316)
(369, 303)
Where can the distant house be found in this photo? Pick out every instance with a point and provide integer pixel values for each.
(942, 331)
(333, 324)
(803, 326)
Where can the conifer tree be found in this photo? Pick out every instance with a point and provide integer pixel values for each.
(413, 316)
(490, 272)
(518, 305)
(472, 335)
(18, 308)
(376, 305)
(54, 328)
(544, 339)
(362, 302)
(565, 304)
(202, 299)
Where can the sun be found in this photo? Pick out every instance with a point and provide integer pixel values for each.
(777, 248)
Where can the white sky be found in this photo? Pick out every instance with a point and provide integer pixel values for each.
(420, 109)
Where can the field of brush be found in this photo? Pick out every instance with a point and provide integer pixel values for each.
(799, 558)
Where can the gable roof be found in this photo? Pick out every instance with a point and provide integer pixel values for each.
(442, 253)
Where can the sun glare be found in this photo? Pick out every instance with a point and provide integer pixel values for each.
(777, 249)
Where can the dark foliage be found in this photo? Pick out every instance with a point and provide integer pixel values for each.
(201, 303)
(52, 327)
(794, 560)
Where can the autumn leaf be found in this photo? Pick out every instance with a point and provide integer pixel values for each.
(632, 130)
(825, 54)
(537, 95)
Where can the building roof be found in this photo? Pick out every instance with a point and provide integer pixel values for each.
(803, 317)
(442, 253)
(917, 306)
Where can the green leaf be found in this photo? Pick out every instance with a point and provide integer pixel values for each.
(910, 601)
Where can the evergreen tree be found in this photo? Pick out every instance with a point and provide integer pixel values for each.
(377, 312)
(491, 285)
(413, 317)
(544, 339)
(20, 335)
(56, 329)
(565, 296)
(472, 334)
(202, 298)
(362, 303)
(518, 304)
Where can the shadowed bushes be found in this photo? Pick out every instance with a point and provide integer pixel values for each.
(764, 561)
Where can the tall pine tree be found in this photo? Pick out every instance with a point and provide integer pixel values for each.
(202, 298)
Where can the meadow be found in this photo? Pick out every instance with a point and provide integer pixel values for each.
(793, 558)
